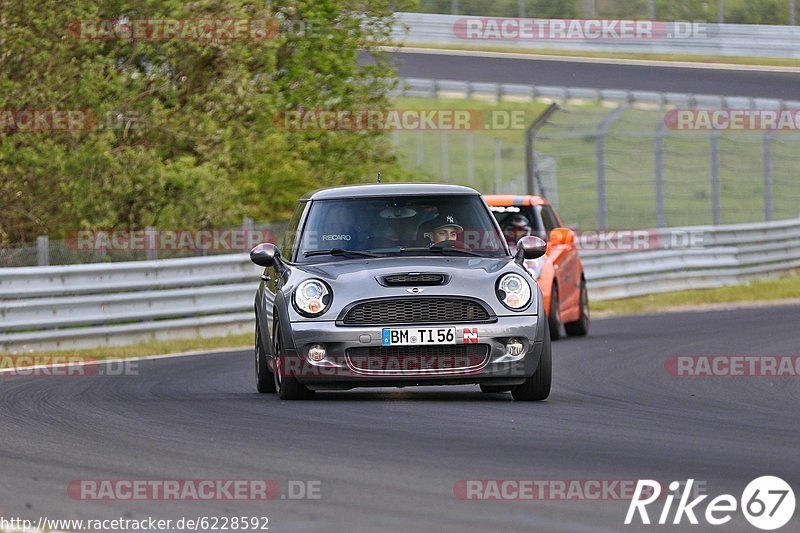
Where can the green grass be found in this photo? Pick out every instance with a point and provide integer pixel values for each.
(151, 347)
(732, 60)
(757, 291)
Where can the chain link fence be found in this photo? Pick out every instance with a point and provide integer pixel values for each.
(623, 168)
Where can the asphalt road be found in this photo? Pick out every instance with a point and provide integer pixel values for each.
(559, 73)
(387, 460)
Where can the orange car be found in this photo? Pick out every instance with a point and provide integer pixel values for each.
(559, 272)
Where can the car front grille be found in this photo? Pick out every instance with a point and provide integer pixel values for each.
(426, 310)
(418, 359)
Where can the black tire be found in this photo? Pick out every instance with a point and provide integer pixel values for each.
(580, 328)
(554, 316)
(265, 381)
(288, 387)
(537, 387)
(494, 388)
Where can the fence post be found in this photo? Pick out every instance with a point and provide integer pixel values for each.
(445, 157)
(420, 150)
(498, 164)
(769, 135)
(652, 9)
(454, 7)
(721, 11)
(588, 8)
(659, 139)
(522, 9)
(602, 198)
(43, 250)
(715, 200)
(792, 13)
(248, 225)
(530, 149)
(471, 157)
(150, 243)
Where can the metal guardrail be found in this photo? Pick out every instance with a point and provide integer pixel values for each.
(742, 40)
(434, 88)
(77, 306)
(728, 255)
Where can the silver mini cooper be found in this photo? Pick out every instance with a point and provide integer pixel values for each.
(396, 285)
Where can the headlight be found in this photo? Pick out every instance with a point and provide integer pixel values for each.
(514, 291)
(312, 297)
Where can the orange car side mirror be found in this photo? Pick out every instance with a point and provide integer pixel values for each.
(560, 236)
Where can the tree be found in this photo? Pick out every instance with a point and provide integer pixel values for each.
(182, 131)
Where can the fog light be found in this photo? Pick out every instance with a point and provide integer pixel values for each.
(514, 347)
(316, 352)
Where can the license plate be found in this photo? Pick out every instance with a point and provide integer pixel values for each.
(404, 337)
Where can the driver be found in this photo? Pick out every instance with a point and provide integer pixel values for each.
(445, 228)
(515, 228)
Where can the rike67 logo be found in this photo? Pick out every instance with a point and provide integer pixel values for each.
(767, 502)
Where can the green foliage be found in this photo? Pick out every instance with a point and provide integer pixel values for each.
(186, 135)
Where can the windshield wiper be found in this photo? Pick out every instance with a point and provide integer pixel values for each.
(338, 251)
(439, 249)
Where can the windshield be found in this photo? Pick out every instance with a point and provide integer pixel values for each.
(407, 225)
(517, 222)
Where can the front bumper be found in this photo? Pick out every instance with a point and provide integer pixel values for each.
(346, 367)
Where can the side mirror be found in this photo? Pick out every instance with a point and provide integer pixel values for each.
(265, 254)
(530, 247)
(560, 236)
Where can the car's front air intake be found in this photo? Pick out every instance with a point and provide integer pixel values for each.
(416, 310)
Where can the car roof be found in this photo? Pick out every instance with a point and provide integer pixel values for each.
(505, 200)
(388, 189)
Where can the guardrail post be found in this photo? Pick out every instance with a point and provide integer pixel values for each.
(530, 150)
(659, 149)
(150, 243)
(602, 198)
(43, 250)
(715, 200)
(769, 135)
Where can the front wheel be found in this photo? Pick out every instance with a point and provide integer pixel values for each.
(265, 381)
(580, 328)
(287, 386)
(537, 387)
